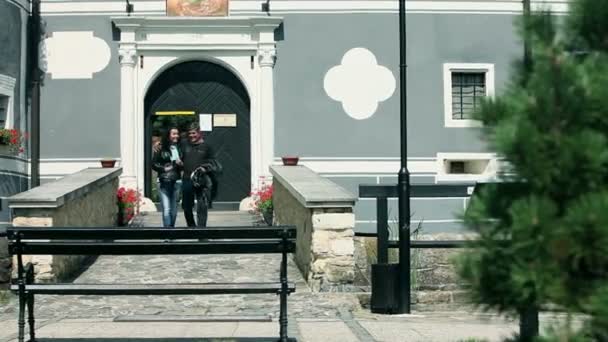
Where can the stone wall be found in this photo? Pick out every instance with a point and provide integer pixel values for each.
(434, 279)
(85, 199)
(325, 245)
(287, 210)
(435, 275)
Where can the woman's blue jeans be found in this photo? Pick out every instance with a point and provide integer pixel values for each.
(168, 200)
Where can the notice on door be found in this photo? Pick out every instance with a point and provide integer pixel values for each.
(224, 120)
(205, 122)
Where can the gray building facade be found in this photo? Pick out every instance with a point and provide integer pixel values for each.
(13, 98)
(330, 71)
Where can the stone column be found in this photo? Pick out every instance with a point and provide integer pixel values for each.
(128, 59)
(267, 58)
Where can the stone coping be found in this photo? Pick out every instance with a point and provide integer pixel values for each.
(55, 194)
(310, 189)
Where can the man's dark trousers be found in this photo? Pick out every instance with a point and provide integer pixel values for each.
(189, 193)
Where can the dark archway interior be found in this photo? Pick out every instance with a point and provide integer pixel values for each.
(204, 88)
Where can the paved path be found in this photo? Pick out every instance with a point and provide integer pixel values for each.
(313, 316)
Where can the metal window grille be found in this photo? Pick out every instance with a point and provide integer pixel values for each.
(468, 88)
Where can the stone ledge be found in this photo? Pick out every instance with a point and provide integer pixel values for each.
(310, 189)
(56, 194)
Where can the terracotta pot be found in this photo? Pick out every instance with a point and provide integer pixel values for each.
(108, 163)
(290, 161)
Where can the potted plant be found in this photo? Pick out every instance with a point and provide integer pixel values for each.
(11, 141)
(263, 203)
(290, 160)
(128, 205)
(107, 162)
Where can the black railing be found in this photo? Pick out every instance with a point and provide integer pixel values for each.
(383, 192)
(387, 291)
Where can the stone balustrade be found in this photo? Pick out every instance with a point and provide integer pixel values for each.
(323, 214)
(84, 199)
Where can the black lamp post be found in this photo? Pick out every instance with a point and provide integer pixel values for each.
(403, 185)
(527, 48)
(35, 75)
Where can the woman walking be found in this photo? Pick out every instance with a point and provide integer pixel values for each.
(167, 162)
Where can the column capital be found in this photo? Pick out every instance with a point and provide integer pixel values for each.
(127, 55)
(267, 57)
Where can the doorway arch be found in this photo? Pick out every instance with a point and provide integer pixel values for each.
(148, 46)
(204, 87)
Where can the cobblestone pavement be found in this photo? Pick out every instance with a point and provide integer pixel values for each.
(192, 268)
(313, 316)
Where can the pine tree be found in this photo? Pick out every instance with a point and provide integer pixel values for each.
(543, 233)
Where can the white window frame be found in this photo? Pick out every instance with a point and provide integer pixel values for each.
(448, 69)
(7, 88)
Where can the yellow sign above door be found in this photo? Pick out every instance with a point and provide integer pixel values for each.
(176, 112)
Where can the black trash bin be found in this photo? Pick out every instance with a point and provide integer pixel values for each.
(385, 288)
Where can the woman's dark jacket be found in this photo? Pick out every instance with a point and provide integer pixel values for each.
(161, 159)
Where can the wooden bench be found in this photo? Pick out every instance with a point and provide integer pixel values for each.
(147, 241)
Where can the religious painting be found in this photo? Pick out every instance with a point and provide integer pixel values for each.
(197, 8)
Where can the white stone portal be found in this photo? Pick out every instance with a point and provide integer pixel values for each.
(150, 45)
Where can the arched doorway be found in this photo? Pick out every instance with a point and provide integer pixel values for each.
(205, 87)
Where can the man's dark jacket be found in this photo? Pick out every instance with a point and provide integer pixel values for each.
(202, 154)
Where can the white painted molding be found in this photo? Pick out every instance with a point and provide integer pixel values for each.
(359, 83)
(7, 88)
(368, 167)
(347, 167)
(74, 54)
(448, 69)
(52, 168)
(253, 7)
(278, 159)
(335, 167)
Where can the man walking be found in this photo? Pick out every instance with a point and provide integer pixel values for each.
(199, 164)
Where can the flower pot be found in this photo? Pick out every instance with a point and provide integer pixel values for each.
(108, 163)
(267, 215)
(290, 161)
(6, 150)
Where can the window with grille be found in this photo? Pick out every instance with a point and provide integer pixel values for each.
(468, 88)
(464, 87)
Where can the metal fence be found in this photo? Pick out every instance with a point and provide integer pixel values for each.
(387, 292)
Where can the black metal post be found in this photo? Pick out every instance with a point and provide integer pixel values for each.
(29, 280)
(528, 324)
(22, 294)
(35, 36)
(404, 175)
(382, 229)
(283, 324)
(528, 318)
(527, 48)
